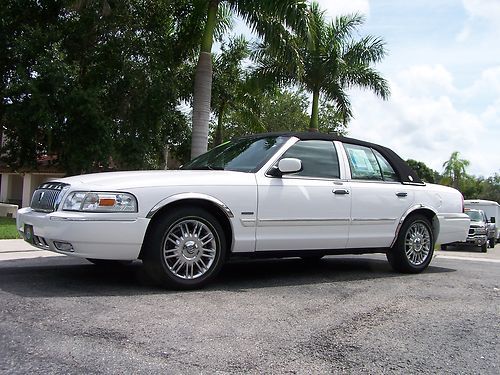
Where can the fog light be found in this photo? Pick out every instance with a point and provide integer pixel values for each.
(63, 246)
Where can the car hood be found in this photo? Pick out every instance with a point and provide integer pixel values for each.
(478, 224)
(138, 179)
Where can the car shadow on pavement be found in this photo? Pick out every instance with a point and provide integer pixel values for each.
(263, 273)
(68, 277)
(463, 248)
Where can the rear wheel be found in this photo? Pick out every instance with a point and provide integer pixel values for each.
(443, 247)
(414, 247)
(185, 249)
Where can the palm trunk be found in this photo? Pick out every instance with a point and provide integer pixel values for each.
(219, 132)
(203, 85)
(313, 123)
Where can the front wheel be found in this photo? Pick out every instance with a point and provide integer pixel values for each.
(185, 249)
(484, 248)
(491, 243)
(414, 247)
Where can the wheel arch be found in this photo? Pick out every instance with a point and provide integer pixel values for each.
(212, 205)
(426, 211)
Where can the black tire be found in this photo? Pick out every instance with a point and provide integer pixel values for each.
(161, 253)
(417, 260)
(484, 248)
(491, 243)
(109, 262)
(443, 247)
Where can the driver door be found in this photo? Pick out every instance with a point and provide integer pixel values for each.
(306, 210)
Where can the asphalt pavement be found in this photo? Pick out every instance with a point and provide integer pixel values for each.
(344, 314)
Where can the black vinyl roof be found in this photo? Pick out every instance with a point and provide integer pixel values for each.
(406, 173)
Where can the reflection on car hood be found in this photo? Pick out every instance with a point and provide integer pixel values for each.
(137, 179)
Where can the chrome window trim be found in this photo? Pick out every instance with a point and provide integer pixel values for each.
(345, 172)
(376, 182)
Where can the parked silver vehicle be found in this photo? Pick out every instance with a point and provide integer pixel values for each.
(479, 231)
(492, 211)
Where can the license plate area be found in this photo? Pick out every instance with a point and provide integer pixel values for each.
(29, 235)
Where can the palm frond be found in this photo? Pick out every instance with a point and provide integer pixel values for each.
(368, 50)
(336, 93)
(344, 26)
(365, 77)
(225, 21)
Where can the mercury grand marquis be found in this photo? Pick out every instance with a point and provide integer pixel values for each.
(288, 194)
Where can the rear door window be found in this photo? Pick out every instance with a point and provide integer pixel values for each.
(363, 163)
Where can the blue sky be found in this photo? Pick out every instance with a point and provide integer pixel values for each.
(443, 66)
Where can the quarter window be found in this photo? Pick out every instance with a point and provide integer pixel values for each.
(319, 159)
(387, 171)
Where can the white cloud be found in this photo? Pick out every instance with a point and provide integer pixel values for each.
(489, 9)
(335, 8)
(422, 121)
(484, 12)
(426, 80)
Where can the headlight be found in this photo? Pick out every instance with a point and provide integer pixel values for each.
(100, 202)
(480, 230)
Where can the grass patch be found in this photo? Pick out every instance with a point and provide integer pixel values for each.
(8, 228)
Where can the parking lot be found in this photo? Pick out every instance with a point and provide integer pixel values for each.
(345, 314)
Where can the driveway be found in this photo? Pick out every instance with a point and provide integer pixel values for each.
(345, 314)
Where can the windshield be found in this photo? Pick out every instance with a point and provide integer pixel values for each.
(475, 215)
(242, 155)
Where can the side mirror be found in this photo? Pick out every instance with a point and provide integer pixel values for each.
(289, 165)
(492, 220)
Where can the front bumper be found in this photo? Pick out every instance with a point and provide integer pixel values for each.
(101, 236)
(478, 240)
(472, 241)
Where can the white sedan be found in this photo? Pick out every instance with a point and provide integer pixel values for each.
(287, 194)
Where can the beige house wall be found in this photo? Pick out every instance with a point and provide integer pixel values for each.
(18, 188)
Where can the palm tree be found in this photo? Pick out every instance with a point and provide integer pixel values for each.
(271, 20)
(454, 168)
(329, 62)
(228, 80)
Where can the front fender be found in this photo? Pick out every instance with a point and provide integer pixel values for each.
(182, 196)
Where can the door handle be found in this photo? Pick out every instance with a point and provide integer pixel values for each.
(340, 191)
(402, 194)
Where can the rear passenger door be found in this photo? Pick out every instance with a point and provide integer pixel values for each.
(379, 199)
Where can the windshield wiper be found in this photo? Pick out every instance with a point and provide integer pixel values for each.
(206, 167)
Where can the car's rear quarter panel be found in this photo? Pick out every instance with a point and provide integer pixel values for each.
(447, 203)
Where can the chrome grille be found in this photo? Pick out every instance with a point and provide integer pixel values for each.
(45, 198)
